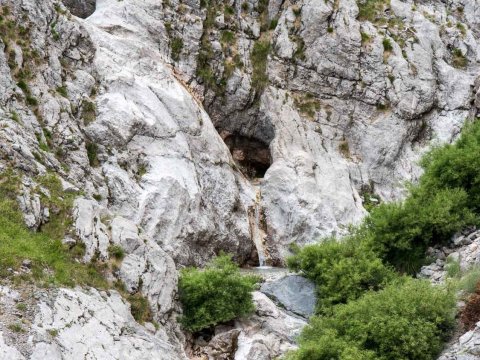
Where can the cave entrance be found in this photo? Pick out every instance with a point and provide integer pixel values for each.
(251, 155)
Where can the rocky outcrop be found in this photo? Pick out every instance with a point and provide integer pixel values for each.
(341, 105)
(267, 334)
(348, 102)
(467, 347)
(139, 105)
(462, 253)
(76, 324)
(464, 250)
(165, 166)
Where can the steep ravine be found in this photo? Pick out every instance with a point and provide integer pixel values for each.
(190, 128)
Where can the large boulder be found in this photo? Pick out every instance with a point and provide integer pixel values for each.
(294, 293)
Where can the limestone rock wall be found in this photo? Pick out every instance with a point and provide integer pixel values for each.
(135, 106)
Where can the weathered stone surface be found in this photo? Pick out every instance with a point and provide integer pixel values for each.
(135, 130)
(89, 323)
(9, 352)
(269, 333)
(89, 227)
(77, 324)
(223, 346)
(464, 249)
(80, 8)
(293, 293)
(466, 348)
(188, 196)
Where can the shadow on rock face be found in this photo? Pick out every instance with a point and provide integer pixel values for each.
(80, 8)
(252, 155)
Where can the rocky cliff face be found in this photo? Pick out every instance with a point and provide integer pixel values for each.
(345, 95)
(179, 120)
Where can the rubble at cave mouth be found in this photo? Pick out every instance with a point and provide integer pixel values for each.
(251, 155)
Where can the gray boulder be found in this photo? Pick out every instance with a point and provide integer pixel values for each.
(80, 8)
(294, 293)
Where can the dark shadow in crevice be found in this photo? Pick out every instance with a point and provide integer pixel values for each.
(251, 155)
(80, 8)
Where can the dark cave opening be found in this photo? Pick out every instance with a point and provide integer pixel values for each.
(251, 155)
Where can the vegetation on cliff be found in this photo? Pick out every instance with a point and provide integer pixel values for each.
(365, 309)
(215, 294)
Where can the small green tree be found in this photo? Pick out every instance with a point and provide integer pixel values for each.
(408, 320)
(456, 166)
(341, 270)
(216, 294)
(401, 232)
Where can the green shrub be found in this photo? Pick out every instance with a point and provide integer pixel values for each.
(341, 270)
(62, 90)
(329, 346)
(408, 320)
(140, 308)
(215, 294)
(92, 152)
(116, 251)
(365, 37)
(401, 232)
(456, 166)
(458, 59)
(32, 101)
(227, 37)
(273, 24)
(387, 45)
(229, 11)
(16, 328)
(259, 58)
(176, 46)
(15, 117)
(21, 306)
(446, 200)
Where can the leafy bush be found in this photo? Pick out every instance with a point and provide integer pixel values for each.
(176, 46)
(408, 320)
(215, 294)
(401, 232)
(456, 166)
(387, 45)
(116, 251)
(342, 271)
(329, 346)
